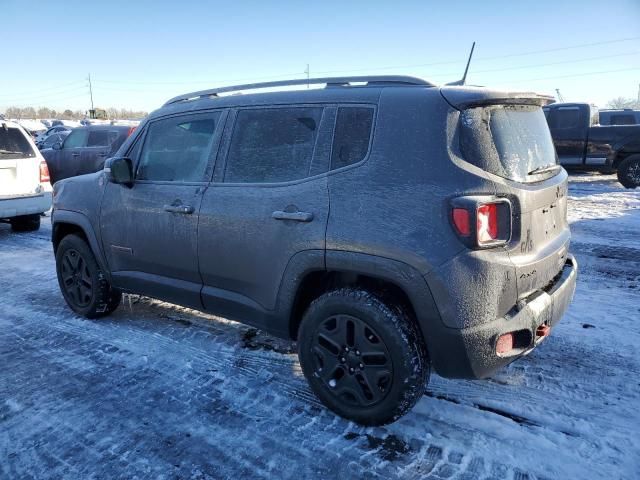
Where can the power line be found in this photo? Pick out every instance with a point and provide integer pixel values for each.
(43, 89)
(574, 75)
(524, 67)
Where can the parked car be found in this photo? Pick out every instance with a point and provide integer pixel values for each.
(25, 191)
(625, 116)
(50, 131)
(378, 221)
(582, 143)
(51, 140)
(84, 150)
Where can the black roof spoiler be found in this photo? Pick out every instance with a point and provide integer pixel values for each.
(463, 97)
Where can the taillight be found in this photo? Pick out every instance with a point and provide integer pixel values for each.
(482, 222)
(44, 173)
(461, 221)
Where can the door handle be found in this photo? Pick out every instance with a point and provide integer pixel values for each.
(75, 154)
(184, 209)
(295, 216)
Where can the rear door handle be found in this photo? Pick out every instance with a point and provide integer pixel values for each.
(295, 216)
(75, 154)
(184, 209)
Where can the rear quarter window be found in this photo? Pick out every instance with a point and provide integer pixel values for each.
(352, 135)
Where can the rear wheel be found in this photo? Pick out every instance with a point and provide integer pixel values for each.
(629, 172)
(82, 282)
(26, 223)
(363, 357)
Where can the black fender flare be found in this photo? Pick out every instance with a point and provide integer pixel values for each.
(68, 217)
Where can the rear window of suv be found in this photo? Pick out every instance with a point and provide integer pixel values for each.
(512, 141)
(14, 144)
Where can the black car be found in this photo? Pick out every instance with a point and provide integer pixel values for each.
(84, 150)
(379, 221)
(583, 143)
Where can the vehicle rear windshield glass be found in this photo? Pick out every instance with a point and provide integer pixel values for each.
(510, 141)
(272, 145)
(351, 138)
(14, 144)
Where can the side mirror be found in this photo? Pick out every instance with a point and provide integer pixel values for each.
(57, 146)
(119, 170)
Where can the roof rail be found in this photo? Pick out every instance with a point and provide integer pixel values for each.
(397, 80)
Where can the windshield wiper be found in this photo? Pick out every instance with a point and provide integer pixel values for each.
(9, 152)
(545, 169)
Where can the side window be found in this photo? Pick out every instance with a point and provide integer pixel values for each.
(135, 150)
(566, 118)
(272, 145)
(351, 137)
(622, 119)
(76, 139)
(98, 138)
(177, 149)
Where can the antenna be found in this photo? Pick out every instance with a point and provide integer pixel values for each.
(464, 77)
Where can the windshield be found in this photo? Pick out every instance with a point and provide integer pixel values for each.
(14, 144)
(512, 141)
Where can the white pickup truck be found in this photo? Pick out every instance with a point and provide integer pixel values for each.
(25, 190)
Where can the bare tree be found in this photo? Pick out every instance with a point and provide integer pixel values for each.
(622, 102)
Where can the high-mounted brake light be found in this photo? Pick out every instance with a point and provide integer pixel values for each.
(44, 173)
(481, 221)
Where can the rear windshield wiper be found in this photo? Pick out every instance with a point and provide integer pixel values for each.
(9, 152)
(545, 169)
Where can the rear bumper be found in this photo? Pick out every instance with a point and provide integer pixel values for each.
(471, 352)
(27, 205)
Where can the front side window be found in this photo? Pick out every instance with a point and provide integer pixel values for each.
(272, 145)
(77, 138)
(178, 149)
(351, 137)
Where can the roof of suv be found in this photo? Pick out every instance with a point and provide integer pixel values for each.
(365, 89)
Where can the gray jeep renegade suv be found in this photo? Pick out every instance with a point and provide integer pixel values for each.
(389, 225)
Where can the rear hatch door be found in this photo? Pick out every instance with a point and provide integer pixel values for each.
(506, 134)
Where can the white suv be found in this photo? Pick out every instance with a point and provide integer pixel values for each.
(25, 190)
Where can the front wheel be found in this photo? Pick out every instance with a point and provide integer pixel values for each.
(363, 358)
(629, 172)
(82, 282)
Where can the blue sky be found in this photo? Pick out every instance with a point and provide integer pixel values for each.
(140, 53)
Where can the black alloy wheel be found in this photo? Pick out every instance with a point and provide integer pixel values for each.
(352, 360)
(76, 278)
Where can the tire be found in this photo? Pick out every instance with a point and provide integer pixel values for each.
(363, 358)
(629, 172)
(82, 282)
(26, 223)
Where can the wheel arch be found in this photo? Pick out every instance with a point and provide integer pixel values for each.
(389, 278)
(65, 223)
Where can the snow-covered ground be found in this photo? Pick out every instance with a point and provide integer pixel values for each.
(157, 391)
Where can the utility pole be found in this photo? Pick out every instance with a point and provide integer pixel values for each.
(307, 72)
(559, 95)
(90, 92)
(639, 95)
